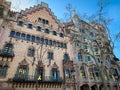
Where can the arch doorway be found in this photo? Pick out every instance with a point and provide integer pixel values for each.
(84, 87)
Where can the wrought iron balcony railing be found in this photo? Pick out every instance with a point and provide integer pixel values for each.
(6, 54)
(29, 78)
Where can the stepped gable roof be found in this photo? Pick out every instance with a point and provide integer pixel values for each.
(37, 8)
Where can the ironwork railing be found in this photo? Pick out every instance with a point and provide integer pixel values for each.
(29, 78)
(6, 54)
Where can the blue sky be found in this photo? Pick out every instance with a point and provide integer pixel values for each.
(82, 6)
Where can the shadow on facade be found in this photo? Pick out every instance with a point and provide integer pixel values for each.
(84, 87)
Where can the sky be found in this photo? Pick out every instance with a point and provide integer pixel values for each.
(82, 7)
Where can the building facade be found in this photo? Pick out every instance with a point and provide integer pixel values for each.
(37, 52)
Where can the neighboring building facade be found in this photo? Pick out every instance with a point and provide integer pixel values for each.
(93, 56)
(37, 52)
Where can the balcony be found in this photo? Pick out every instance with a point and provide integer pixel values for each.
(97, 53)
(94, 44)
(99, 37)
(87, 51)
(33, 79)
(6, 54)
(85, 41)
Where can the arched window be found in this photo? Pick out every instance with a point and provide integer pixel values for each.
(46, 41)
(67, 73)
(33, 38)
(79, 56)
(37, 39)
(23, 36)
(17, 35)
(50, 42)
(42, 40)
(12, 34)
(61, 34)
(8, 50)
(31, 52)
(64, 45)
(28, 37)
(39, 74)
(20, 23)
(54, 33)
(50, 55)
(30, 26)
(3, 69)
(47, 31)
(66, 56)
(22, 72)
(82, 72)
(55, 74)
(38, 28)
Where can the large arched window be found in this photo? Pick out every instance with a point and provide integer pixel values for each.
(66, 56)
(3, 69)
(22, 72)
(55, 74)
(39, 74)
(79, 57)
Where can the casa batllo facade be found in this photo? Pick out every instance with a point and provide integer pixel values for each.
(37, 52)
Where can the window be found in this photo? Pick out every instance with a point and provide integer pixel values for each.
(20, 23)
(22, 72)
(33, 38)
(67, 73)
(61, 34)
(82, 72)
(79, 56)
(54, 33)
(61, 45)
(66, 56)
(87, 58)
(50, 55)
(43, 21)
(23, 36)
(42, 40)
(17, 35)
(50, 42)
(64, 45)
(30, 26)
(85, 47)
(12, 34)
(47, 22)
(3, 71)
(39, 74)
(57, 44)
(54, 43)
(96, 49)
(46, 41)
(47, 31)
(31, 52)
(39, 19)
(28, 37)
(55, 75)
(37, 39)
(38, 28)
(8, 50)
